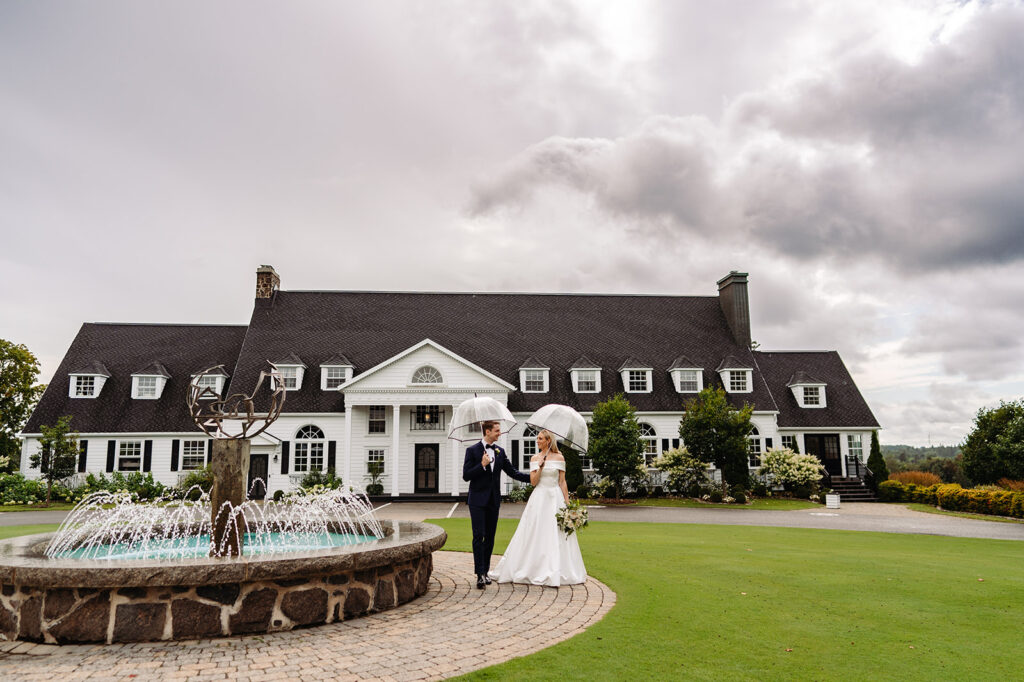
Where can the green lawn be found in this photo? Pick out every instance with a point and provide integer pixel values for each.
(739, 602)
(54, 506)
(777, 504)
(14, 531)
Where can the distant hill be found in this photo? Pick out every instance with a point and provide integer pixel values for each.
(912, 453)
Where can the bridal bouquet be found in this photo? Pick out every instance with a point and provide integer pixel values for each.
(571, 517)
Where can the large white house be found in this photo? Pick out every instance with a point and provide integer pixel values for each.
(375, 377)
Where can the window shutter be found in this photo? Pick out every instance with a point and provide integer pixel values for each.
(83, 450)
(664, 444)
(44, 461)
(147, 455)
(175, 445)
(111, 451)
(515, 453)
(209, 450)
(285, 447)
(767, 443)
(332, 453)
(675, 443)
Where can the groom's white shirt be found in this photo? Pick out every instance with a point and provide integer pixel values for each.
(491, 453)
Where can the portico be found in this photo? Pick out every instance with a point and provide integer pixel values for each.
(399, 412)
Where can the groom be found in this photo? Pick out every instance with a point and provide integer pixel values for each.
(484, 463)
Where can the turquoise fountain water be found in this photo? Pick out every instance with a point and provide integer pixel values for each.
(113, 526)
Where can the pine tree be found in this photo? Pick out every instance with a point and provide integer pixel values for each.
(876, 462)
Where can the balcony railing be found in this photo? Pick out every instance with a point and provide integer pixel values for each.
(426, 422)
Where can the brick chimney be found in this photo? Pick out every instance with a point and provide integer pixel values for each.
(267, 281)
(732, 296)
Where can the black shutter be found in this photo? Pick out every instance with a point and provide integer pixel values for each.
(664, 444)
(285, 446)
(515, 453)
(675, 443)
(44, 461)
(83, 450)
(111, 451)
(209, 450)
(147, 455)
(175, 444)
(332, 453)
(767, 444)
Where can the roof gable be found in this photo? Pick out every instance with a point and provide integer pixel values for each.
(397, 371)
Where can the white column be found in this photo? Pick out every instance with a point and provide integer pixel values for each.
(396, 413)
(455, 474)
(347, 451)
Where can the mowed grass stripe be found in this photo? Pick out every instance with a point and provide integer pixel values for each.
(849, 605)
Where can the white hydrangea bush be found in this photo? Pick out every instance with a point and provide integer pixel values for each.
(786, 466)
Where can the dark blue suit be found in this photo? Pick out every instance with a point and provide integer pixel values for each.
(484, 499)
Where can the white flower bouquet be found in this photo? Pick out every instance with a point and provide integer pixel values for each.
(571, 517)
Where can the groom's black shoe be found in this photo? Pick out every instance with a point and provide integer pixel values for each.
(487, 579)
(481, 582)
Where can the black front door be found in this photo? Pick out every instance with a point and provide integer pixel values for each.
(826, 448)
(258, 469)
(426, 468)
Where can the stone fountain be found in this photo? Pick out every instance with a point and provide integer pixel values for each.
(119, 571)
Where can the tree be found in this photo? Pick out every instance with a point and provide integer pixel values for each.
(715, 432)
(58, 453)
(876, 462)
(573, 467)
(995, 448)
(615, 444)
(19, 394)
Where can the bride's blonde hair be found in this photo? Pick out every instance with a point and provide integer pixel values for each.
(552, 443)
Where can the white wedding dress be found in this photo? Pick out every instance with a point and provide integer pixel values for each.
(539, 553)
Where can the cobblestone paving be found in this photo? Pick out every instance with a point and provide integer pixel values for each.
(448, 631)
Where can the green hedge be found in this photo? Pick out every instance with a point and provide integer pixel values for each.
(952, 497)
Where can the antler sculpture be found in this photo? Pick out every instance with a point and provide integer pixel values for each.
(209, 411)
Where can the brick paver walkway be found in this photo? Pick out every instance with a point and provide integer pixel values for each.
(449, 631)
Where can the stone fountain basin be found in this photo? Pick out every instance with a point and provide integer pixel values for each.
(76, 601)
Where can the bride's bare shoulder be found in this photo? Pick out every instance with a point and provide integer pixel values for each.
(556, 457)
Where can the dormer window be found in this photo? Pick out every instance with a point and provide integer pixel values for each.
(210, 384)
(636, 377)
(427, 375)
(586, 376)
(738, 381)
(808, 391)
(533, 376)
(687, 377)
(84, 387)
(87, 381)
(736, 377)
(291, 369)
(335, 372)
(148, 383)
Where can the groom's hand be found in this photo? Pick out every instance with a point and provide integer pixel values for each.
(485, 460)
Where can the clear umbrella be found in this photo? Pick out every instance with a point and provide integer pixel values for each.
(465, 424)
(563, 421)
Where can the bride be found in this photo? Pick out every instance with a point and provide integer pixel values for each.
(539, 553)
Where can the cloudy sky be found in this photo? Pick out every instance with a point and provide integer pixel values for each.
(864, 162)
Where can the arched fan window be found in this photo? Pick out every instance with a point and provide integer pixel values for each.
(650, 437)
(426, 375)
(309, 449)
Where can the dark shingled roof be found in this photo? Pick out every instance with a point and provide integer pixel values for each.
(801, 377)
(182, 349)
(91, 367)
(338, 360)
(153, 369)
(632, 363)
(583, 363)
(683, 362)
(371, 327)
(845, 407)
(533, 363)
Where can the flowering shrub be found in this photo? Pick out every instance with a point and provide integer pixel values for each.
(952, 497)
(788, 467)
(1010, 484)
(682, 471)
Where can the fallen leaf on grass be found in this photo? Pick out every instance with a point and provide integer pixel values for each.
(788, 649)
(981, 580)
(911, 646)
